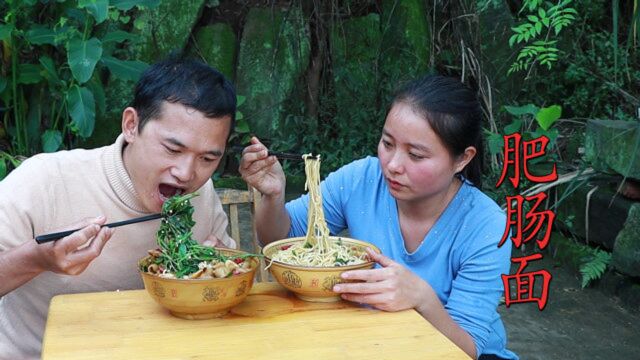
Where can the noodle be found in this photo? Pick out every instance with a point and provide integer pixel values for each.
(318, 249)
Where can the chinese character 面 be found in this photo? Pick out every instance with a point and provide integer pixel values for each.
(524, 283)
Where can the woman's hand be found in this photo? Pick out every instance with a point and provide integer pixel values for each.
(260, 170)
(391, 287)
(72, 254)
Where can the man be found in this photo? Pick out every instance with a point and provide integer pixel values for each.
(173, 137)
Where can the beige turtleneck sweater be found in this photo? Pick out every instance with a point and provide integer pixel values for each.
(50, 191)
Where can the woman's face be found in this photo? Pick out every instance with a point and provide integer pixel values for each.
(415, 163)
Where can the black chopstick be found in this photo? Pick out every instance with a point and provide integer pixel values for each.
(280, 155)
(286, 156)
(55, 236)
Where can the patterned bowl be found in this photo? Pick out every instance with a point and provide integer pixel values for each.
(312, 283)
(196, 299)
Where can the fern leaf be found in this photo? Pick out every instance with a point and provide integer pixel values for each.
(594, 265)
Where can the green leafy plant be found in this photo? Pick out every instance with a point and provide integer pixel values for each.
(594, 265)
(241, 133)
(7, 159)
(524, 118)
(54, 58)
(179, 253)
(534, 33)
(598, 80)
(531, 122)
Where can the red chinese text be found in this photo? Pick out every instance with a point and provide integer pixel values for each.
(534, 220)
(531, 150)
(524, 283)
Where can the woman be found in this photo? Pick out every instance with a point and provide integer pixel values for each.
(419, 202)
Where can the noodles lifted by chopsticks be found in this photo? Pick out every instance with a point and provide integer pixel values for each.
(318, 249)
(317, 230)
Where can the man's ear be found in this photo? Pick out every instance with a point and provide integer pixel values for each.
(465, 158)
(130, 121)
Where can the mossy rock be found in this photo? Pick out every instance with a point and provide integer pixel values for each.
(626, 251)
(355, 47)
(603, 230)
(274, 53)
(405, 40)
(614, 146)
(216, 45)
(166, 28)
(355, 44)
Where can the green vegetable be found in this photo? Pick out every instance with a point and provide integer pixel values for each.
(180, 254)
(340, 261)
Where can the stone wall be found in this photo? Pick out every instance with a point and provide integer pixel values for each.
(598, 212)
(265, 51)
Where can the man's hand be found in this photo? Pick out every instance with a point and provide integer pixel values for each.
(72, 254)
(213, 241)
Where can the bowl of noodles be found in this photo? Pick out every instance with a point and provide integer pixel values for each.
(310, 266)
(314, 280)
(191, 280)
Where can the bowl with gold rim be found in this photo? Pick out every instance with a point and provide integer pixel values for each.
(210, 294)
(314, 283)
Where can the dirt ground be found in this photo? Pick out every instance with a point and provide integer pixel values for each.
(575, 324)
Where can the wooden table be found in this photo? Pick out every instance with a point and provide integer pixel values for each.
(270, 324)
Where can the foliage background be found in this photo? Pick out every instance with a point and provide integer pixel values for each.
(318, 76)
(349, 56)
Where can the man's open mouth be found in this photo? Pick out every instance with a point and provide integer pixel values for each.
(166, 191)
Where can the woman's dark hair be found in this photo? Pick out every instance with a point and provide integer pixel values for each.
(453, 112)
(187, 82)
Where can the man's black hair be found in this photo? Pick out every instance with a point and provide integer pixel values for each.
(187, 82)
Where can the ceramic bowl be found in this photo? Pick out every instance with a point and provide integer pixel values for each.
(200, 298)
(312, 283)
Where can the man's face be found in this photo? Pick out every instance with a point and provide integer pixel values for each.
(174, 153)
